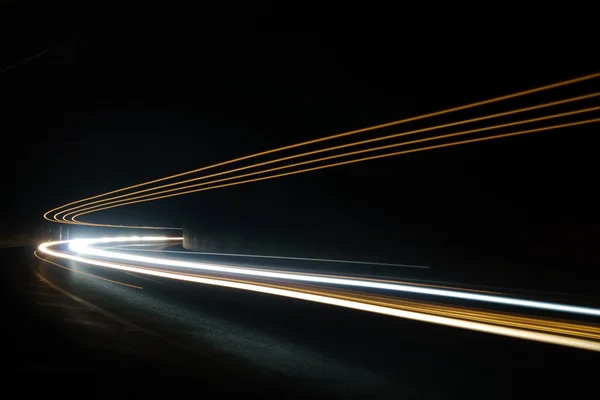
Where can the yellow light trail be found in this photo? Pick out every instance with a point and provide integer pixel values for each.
(499, 136)
(85, 206)
(412, 119)
(572, 334)
(85, 210)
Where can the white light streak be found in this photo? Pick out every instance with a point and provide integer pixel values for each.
(83, 246)
(417, 316)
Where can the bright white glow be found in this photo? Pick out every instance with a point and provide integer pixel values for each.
(83, 247)
(457, 323)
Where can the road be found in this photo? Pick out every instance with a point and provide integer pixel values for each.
(280, 345)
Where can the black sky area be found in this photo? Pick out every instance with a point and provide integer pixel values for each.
(133, 94)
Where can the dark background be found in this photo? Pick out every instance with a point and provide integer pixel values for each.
(129, 94)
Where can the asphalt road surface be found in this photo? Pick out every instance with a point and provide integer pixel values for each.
(72, 334)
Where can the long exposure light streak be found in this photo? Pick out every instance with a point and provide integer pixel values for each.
(353, 161)
(112, 200)
(84, 246)
(421, 117)
(518, 327)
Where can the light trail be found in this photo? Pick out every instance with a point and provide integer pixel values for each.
(421, 117)
(407, 281)
(83, 246)
(542, 330)
(439, 137)
(499, 136)
(110, 200)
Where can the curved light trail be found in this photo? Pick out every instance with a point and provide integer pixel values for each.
(84, 246)
(179, 191)
(352, 161)
(318, 289)
(65, 209)
(127, 196)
